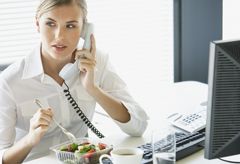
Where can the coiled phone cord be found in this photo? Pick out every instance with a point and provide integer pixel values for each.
(80, 112)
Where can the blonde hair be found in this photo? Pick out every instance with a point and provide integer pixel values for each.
(47, 5)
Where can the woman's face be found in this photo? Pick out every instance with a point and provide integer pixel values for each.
(60, 30)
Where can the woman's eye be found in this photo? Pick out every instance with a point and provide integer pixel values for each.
(71, 26)
(50, 24)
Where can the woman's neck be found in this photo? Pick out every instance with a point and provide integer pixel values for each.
(52, 67)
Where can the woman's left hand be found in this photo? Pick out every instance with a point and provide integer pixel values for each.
(87, 63)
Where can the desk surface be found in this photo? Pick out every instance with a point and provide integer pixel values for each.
(181, 97)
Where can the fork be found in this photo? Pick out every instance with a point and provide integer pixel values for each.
(67, 133)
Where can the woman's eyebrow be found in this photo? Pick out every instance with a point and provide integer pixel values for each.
(73, 21)
(51, 19)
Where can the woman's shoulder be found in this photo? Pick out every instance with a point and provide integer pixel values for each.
(13, 71)
(16, 67)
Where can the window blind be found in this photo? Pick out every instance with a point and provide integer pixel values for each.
(17, 29)
(137, 34)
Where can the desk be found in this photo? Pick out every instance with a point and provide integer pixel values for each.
(178, 97)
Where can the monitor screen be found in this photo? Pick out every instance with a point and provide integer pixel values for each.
(223, 110)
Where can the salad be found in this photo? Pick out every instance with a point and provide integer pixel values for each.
(85, 149)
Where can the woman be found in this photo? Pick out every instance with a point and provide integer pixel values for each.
(60, 23)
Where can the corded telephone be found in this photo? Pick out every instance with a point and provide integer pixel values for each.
(191, 122)
(70, 70)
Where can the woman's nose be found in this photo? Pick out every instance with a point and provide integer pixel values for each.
(59, 33)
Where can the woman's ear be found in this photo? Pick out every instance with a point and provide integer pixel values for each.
(37, 24)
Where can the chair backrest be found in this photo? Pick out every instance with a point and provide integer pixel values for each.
(3, 66)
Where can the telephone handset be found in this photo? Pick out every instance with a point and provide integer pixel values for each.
(72, 69)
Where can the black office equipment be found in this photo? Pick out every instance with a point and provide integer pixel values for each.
(186, 144)
(223, 110)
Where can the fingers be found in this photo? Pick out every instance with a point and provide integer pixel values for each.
(86, 62)
(84, 53)
(43, 117)
(87, 58)
(39, 125)
(84, 67)
(93, 47)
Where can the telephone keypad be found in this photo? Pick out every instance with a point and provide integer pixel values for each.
(193, 122)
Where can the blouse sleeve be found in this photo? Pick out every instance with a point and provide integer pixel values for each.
(111, 83)
(7, 118)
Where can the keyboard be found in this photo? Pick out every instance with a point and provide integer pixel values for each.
(186, 144)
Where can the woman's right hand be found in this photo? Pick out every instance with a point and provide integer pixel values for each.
(39, 124)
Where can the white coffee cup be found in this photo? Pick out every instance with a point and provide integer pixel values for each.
(124, 155)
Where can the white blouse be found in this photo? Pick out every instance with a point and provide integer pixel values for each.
(24, 81)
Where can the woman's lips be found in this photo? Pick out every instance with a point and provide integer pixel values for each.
(59, 48)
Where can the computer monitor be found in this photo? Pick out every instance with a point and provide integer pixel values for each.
(223, 110)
